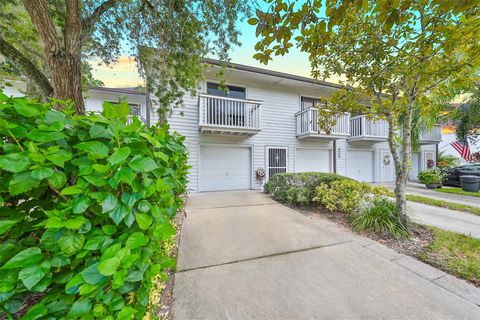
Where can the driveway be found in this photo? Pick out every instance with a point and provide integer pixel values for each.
(244, 256)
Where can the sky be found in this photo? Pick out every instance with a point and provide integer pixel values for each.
(124, 72)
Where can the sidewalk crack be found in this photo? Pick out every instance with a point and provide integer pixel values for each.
(264, 257)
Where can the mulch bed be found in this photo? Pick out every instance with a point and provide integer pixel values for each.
(421, 237)
(166, 298)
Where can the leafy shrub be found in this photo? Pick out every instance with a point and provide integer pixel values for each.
(298, 188)
(381, 216)
(347, 196)
(87, 204)
(431, 176)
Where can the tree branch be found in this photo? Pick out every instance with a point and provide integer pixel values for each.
(27, 67)
(94, 17)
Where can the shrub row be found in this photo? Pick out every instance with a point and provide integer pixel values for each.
(298, 188)
(87, 203)
(367, 206)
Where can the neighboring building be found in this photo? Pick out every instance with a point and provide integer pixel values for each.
(96, 96)
(267, 120)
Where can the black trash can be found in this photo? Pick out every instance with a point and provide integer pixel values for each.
(470, 183)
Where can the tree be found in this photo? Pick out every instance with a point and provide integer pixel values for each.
(72, 31)
(394, 56)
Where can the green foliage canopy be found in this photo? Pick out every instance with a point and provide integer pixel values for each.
(86, 205)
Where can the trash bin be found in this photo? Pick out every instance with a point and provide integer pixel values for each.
(470, 183)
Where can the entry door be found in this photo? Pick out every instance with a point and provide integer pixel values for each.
(276, 160)
(413, 174)
(388, 167)
(224, 168)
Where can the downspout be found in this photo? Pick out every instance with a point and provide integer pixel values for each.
(436, 154)
(334, 156)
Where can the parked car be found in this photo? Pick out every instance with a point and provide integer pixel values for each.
(453, 174)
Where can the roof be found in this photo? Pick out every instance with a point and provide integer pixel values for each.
(134, 91)
(284, 75)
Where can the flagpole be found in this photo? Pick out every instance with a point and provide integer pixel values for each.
(447, 145)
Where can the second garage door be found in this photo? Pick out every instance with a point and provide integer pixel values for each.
(312, 160)
(224, 168)
(360, 165)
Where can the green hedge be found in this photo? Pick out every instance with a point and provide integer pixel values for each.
(298, 188)
(86, 206)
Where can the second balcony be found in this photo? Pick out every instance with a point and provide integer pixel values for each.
(308, 126)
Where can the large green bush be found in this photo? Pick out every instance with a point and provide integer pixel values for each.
(87, 204)
(298, 188)
(348, 196)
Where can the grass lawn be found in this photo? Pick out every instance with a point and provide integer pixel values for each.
(456, 253)
(444, 204)
(458, 191)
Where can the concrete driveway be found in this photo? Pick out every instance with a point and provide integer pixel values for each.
(244, 256)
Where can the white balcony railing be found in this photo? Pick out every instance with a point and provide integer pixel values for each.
(307, 125)
(434, 135)
(224, 113)
(131, 116)
(362, 128)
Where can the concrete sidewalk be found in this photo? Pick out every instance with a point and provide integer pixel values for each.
(450, 220)
(419, 189)
(446, 219)
(244, 256)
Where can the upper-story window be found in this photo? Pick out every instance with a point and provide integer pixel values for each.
(135, 109)
(226, 90)
(308, 103)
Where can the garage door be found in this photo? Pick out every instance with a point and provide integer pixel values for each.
(413, 174)
(360, 165)
(312, 160)
(224, 168)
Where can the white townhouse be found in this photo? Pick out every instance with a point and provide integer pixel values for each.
(267, 121)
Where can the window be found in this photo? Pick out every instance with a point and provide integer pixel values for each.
(308, 103)
(226, 91)
(135, 109)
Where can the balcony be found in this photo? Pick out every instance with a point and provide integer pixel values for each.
(433, 136)
(363, 129)
(308, 126)
(228, 116)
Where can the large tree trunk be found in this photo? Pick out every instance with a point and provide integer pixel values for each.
(67, 78)
(63, 57)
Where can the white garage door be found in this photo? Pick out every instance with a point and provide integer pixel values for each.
(224, 168)
(312, 160)
(360, 165)
(413, 174)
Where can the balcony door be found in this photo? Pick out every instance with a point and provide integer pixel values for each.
(226, 112)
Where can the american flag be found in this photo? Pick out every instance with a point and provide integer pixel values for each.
(463, 149)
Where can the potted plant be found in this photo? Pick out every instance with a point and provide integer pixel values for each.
(432, 178)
